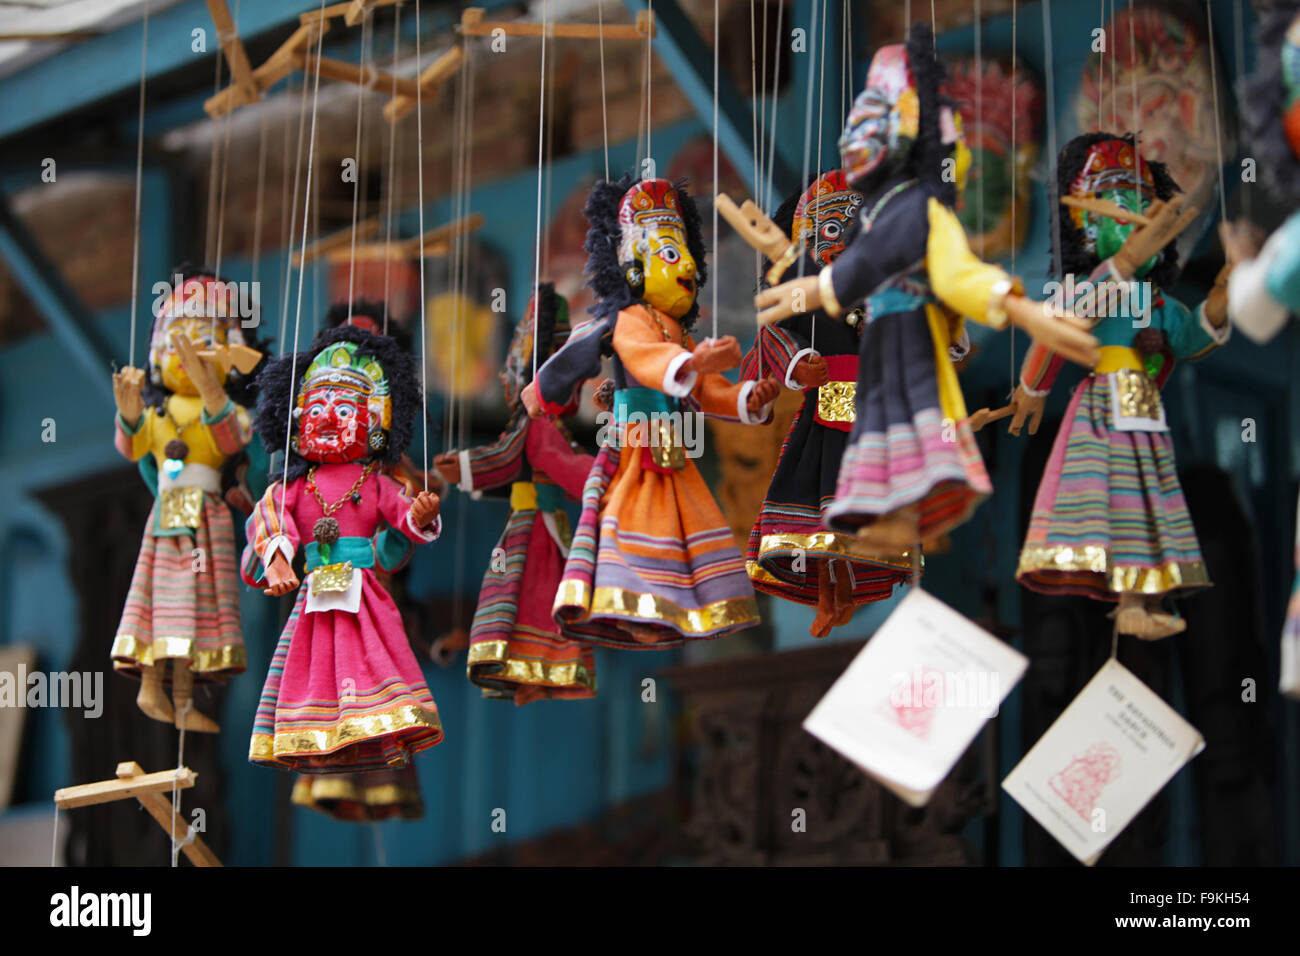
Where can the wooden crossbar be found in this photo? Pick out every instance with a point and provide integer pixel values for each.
(472, 24)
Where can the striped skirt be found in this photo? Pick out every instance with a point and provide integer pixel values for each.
(514, 642)
(344, 692)
(651, 550)
(788, 539)
(911, 443)
(1109, 516)
(184, 600)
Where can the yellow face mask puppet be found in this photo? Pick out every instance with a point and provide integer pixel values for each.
(653, 248)
(200, 309)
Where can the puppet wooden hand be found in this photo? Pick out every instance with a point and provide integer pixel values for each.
(1062, 333)
(603, 395)
(1168, 219)
(754, 226)
(764, 391)
(1025, 406)
(789, 298)
(811, 372)
(203, 374)
(424, 509)
(1216, 303)
(1241, 240)
(714, 355)
(280, 578)
(532, 403)
(127, 384)
(448, 465)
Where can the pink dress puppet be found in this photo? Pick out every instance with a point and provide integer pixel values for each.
(516, 650)
(344, 692)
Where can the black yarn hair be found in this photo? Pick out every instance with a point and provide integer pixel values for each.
(240, 387)
(371, 308)
(278, 383)
(605, 274)
(929, 150)
(548, 314)
(1263, 105)
(1075, 257)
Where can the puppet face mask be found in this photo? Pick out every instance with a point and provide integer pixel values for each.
(166, 358)
(653, 242)
(883, 123)
(203, 311)
(824, 214)
(343, 408)
(1110, 172)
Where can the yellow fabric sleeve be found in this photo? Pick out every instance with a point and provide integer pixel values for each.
(959, 279)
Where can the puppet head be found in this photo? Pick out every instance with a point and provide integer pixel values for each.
(644, 245)
(899, 126)
(547, 323)
(351, 396)
(1270, 100)
(1105, 166)
(203, 309)
(825, 211)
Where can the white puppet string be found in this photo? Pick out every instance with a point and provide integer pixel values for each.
(541, 127)
(176, 793)
(717, 187)
(293, 222)
(302, 267)
(776, 85)
(1049, 79)
(225, 180)
(754, 113)
(1132, 69)
(139, 186)
(1240, 38)
(458, 198)
(424, 327)
(392, 143)
(259, 201)
(1218, 135)
(362, 87)
(604, 111)
(1015, 77)
(210, 239)
(817, 210)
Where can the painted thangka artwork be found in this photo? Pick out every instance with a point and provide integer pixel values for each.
(1001, 105)
(1155, 78)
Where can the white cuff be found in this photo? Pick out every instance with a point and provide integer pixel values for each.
(961, 348)
(790, 383)
(1034, 392)
(673, 384)
(466, 482)
(432, 534)
(280, 543)
(830, 303)
(1251, 307)
(1219, 335)
(742, 406)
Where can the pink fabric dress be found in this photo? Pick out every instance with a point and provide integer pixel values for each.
(344, 692)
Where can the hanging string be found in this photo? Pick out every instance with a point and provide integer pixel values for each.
(1218, 134)
(776, 86)
(821, 113)
(176, 793)
(1015, 171)
(541, 126)
(302, 263)
(54, 841)
(210, 241)
(378, 833)
(934, 26)
(258, 202)
(225, 179)
(808, 113)
(1240, 38)
(755, 113)
(549, 88)
(649, 88)
(1101, 66)
(139, 187)
(362, 87)
(293, 219)
(717, 186)
(1053, 203)
(1132, 64)
(604, 112)
(392, 143)
(458, 249)
(424, 325)
(1114, 83)
(979, 124)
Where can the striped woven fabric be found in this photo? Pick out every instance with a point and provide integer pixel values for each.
(1109, 515)
(184, 600)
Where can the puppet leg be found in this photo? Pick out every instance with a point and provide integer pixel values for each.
(183, 698)
(152, 699)
(824, 621)
(894, 529)
(843, 599)
(1138, 615)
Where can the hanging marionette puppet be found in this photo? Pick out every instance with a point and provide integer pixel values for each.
(182, 613)
(1109, 520)
(516, 650)
(362, 797)
(344, 692)
(653, 562)
(1264, 288)
(911, 471)
(789, 554)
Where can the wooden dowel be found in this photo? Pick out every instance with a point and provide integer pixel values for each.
(278, 65)
(339, 240)
(430, 78)
(472, 24)
(353, 73)
(106, 791)
(240, 71)
(342, 10)
(1105, 207)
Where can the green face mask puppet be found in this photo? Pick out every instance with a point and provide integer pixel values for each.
(1113, 171)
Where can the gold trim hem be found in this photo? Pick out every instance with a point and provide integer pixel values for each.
(1120, 578)
(832, 545)
(619, 603)
(347, 732)
(129, 654)
(496, 656)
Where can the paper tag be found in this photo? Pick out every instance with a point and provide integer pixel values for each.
(914, 698)
(349, 600)
(1102, 761)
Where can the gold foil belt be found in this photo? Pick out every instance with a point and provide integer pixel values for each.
(835, 401)
(331, 578)
(1137, 394)
(667, 452)
(180, 508)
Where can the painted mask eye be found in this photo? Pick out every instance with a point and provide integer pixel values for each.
(346, 411)
(831, 230)
(670, 255)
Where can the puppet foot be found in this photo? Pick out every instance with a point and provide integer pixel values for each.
(894, 529)
(187, 717)
(152, 699)
(824, 621)
(843, 603)
(1134, 617)
(641, 633)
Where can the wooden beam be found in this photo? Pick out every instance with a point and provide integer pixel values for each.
(338, 240)
(437, 242)
(358, 11)
(342, 10)
(160, 808)
(278, 65)
(430, 79)
(472, 24)
(127, 786)
(240, 71)
(353, 73)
